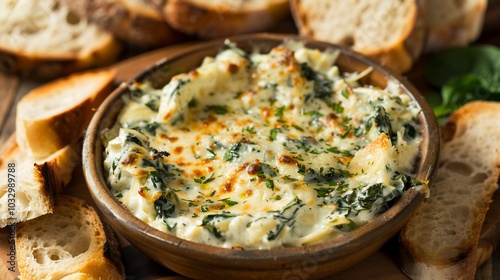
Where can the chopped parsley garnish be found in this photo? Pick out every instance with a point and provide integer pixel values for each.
(345, 93)
(279, 111)
(229, 202)
(272, 134)
(250, 130)
(204, 180)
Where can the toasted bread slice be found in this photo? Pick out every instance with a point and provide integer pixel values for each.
(35, 182)
(71, 243)
(391, 31)
(44, 39)
(453, 23)
(221, 18)
(56, 114)
(440, 240)
(135, 21)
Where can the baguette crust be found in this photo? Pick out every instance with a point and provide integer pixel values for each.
(37, 182)
(34, 182)
(440, 240)
(398, 53)
(46, 248)
(459, 31)
(42, 66)
(214, 20)
(138, 23)
(41, 132)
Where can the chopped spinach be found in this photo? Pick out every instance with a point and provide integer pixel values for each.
(325, 175)
(382, 121)
(210, 223)
(285, 217)
(463, 74)
(322, 85)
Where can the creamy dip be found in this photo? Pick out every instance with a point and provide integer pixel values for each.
(255, 150)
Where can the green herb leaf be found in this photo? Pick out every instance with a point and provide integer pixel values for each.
(279, 111)
(285, 217)
(232, 152)
(229, 202)
(463, 74)
(322, 85)
(211, 154)
(217, 109)
(272, 134)
(210, 223)
(204, 180)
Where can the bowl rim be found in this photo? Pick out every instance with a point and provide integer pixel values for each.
(339, 247)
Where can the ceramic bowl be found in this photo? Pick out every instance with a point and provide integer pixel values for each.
(203, 261)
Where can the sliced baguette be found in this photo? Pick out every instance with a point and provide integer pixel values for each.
(391, 31)
(221, 18)
(135, 21)
(56, 114)
(71, 243)
(453, 23)
(440, 240)
(44, 39)
(36, 182)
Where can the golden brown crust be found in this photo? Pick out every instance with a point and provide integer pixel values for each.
(400, 56)
(143, 27)
(45, 135)
(460, 259)
(42, 67)
(220, 21)
(45, 174)
(102, 257)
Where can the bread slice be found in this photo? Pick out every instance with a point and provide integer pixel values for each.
(453, 23)
(36, 182)
(135, 21)
(44, 39)
(71, 243)
(391, 31)
(56, 114)
(440, 239)
(222, 18)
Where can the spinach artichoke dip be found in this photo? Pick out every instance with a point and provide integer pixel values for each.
(257, 151)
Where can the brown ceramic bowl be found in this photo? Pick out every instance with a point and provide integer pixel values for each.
(203, 261)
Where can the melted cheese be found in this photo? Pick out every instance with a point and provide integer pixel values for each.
(264, 150)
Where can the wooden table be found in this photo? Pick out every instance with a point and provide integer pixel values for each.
(382, 265)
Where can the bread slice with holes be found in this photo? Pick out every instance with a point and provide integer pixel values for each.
(135, 21)
(222, 18)
(34, 182)
(391, 31)
(453, 23)
(71, 243)
(44, 39)
(440, 239)
(56, 114)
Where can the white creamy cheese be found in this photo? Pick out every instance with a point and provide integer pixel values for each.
(262, 150)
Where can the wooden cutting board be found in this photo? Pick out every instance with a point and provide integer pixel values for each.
(381, 265)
